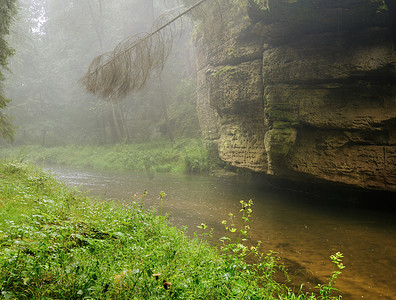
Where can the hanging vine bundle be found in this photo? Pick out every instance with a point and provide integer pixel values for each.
(112, 76)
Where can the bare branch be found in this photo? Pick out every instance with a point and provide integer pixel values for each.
(112, 76)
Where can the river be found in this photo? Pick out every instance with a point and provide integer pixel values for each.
(304, 230)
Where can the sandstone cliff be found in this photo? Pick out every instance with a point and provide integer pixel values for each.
(302, 89)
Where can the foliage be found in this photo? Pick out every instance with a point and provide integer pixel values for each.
(7, 12)
(183, 156)
(6, 128)
(326, 290)
(50, 107)
(255, 266)
(57, 244)
(182, 112)
(65, 246)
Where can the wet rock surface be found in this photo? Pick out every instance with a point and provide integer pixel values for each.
(303, 89)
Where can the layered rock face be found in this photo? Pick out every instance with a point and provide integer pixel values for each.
(303, 89)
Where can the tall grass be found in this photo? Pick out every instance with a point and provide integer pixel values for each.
(55, 243)
(183, 156)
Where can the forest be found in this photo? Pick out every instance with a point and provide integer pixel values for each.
(54, 45)
(197, 149)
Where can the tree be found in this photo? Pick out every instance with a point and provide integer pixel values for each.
(113, 76)
(52, 42)
(7, 12)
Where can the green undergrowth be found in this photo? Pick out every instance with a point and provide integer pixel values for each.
(183, 156)
(56, 243)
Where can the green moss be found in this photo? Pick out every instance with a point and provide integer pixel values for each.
(231, 52)
(262, 4)
(225, 72)
(280, 141)
(283, 125)
(280, 117)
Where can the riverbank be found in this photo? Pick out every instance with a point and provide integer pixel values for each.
(183, 156)
(55, 243)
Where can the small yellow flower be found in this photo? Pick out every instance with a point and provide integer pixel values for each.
(203, 226)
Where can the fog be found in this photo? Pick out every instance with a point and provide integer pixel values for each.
(294, 101)
(56, 41)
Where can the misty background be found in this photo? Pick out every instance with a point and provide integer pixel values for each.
(55, 42)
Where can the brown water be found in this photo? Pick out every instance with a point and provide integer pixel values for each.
(304, 230)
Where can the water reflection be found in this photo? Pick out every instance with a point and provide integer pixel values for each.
(302, 230)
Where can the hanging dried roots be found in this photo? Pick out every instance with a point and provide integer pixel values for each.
(112, 76)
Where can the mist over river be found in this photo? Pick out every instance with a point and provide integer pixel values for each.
(304, 230)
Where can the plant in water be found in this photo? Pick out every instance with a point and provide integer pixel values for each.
(161, 197)
(250, 264)
(230, 227)
(326, 290)
(246, 262)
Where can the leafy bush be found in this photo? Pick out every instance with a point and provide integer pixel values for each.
(184, 156)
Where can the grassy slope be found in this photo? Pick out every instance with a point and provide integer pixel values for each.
(184, 156)
(57, 244)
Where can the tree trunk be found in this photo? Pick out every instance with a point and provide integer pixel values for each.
(165, 112)
(116, 124)
(43, 141)
(42, 116)
(123, 124)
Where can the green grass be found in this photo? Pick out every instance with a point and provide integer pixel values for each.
(184, 156)
(55, 243)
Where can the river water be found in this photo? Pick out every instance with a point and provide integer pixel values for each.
(304, 230)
